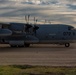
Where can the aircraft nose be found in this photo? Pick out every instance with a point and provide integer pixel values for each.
(5, 32)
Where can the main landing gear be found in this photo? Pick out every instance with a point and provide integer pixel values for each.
(67, 44)
(25, 45)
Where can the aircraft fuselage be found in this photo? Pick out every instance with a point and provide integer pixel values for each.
(19, 35)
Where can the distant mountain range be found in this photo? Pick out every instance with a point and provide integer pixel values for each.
(39, 2)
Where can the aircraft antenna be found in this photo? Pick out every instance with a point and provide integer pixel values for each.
(50, 22)
(45, 21)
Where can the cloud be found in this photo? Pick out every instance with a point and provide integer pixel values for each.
(6, 1)
(70, 6)
(54, 10)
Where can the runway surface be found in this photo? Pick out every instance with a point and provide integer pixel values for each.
(45, 55)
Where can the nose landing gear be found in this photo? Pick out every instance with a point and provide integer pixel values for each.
(67, 44)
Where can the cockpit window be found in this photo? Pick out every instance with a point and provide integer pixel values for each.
(70, 28)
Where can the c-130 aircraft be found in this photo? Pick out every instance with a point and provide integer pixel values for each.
(24, 34)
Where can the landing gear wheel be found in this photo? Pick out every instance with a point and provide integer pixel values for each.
(67, 44)
(20, 46)
(13, 46)
(27, 45)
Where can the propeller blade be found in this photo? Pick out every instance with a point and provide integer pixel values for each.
(34, 20)
(28, 18)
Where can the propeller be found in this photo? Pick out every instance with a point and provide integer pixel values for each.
(27, 19)
(27, 25)
(35, 26)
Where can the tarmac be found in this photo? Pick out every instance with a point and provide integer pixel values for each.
(40, 54)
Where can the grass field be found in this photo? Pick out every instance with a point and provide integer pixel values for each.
(36, 70)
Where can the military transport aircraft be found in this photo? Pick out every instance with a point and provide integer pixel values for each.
(24, 34)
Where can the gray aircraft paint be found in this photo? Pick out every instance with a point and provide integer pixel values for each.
(46, 33)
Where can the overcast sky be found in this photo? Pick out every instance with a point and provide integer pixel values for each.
(56, 11)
